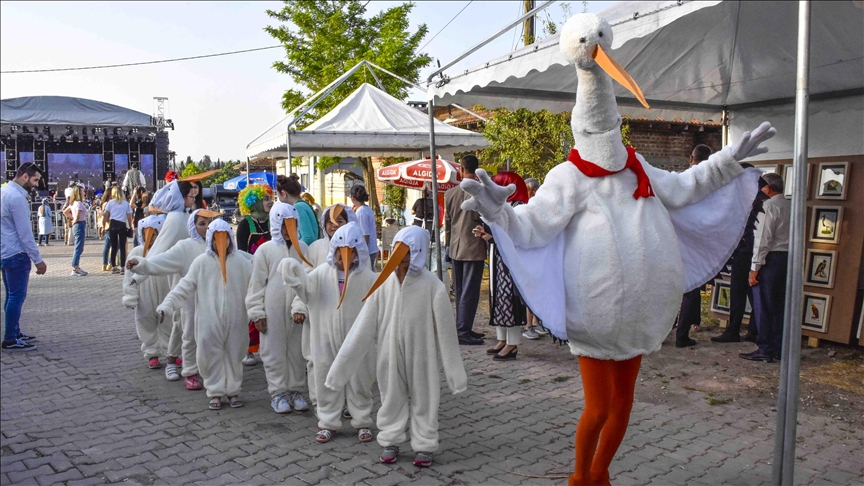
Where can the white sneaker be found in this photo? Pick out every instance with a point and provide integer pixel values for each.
(531, 334)
(279, 404)
(298, 403)
(539, 329)
(172, 372)
(80, 272)
(250, 360)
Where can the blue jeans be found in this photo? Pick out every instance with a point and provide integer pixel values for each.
(105, 248)
(16, 276)
(78, 231)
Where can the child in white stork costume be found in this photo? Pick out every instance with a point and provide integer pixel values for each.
(615, 262)
(411, 320)
(217, 281)
(144, 296)
(269, 304)
(333, 294)
(175, 263)
(332, 218)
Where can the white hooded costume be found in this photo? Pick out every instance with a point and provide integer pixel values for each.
(145, 296)
(615, 263)
(331, 315)
(269, 298)
(221, 327)
(174, 263)
(413, 324)
(318, 251)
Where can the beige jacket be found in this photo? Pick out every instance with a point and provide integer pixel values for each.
(458, 225)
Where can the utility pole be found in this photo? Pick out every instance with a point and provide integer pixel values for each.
(530, 24)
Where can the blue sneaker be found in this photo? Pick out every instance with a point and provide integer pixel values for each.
(27, 339)
(17, 346)
(279, 404)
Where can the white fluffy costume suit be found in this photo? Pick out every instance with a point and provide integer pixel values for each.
(174, 263)
(413, 324)
(145, 296)
(331, 315)
(218, 284)
(615, 262)
(269, 298)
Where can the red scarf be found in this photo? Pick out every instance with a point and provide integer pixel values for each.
(643, 188)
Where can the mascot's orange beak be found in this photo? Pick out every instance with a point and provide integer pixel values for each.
(335, 213)
(618, 73)
(346, 266)
(206, 213)
(291, 226)
(399, 252)
(220, 244)
(149, 238)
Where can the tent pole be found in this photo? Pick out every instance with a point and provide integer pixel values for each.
(435, 221)
(790, 364)
(247, 171)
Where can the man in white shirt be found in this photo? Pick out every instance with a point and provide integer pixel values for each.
(768, 270)
(17, 249)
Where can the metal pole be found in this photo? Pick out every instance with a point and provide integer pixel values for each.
(247, 171)
(790, 363)
(432, 157)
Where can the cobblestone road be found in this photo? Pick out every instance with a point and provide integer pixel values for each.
(84, 409)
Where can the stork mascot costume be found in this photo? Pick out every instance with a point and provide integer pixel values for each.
(619, 241)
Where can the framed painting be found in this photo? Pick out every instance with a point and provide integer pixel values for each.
(833, 180)
(816, 311)
(819, 268)
(788, 180)
(825, 224)
(721, 296)
(767, 169)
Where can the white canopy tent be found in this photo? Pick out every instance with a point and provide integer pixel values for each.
(697, 59)
(64, 110)
(369, 122)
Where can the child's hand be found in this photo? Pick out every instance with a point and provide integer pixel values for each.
(261, 326)
(299, 318)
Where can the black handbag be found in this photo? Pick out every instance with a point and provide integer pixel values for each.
(130, 232)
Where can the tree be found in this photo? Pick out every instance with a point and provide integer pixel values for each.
(325, 38)
(190, 169)
(227, 171)
(205, 164)
(534, 141)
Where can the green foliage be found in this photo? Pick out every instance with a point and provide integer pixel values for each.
(190, 169)
(206, 164)
(534, 141)
(394, 196)
(625, 133)
(227, 171)
(325, 38)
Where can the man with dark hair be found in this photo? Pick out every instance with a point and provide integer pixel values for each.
(739, 288)
(691, 305)
(134, 178)
(17, 249)
(467, 252)
(768, 270)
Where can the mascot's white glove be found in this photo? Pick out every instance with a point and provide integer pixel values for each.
(292, 272)
(748, 145)
(487, 198)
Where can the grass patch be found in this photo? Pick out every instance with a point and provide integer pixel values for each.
(718, 401)
(494, 376)
(524, 380)
(560, 379)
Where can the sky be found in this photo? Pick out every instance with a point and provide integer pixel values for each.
(217, 104)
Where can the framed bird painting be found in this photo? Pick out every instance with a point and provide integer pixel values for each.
(788, 180)
(833, 180)
(819, 268)
(825, 223)
(816, 309)
(721, 296)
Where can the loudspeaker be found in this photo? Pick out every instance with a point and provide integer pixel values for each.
(108, 160)
(162, 156)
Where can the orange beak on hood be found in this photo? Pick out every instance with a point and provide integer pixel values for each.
(399, 252)
(220, 244)
(291, 226)
(149, 237)
(618, 73)
(346, 267)
(335, 213)
(206, 213)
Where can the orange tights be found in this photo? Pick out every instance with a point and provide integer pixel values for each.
(609, 387)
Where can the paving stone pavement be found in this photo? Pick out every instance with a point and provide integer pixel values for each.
(85, 409)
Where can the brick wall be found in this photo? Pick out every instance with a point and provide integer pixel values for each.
(668, 145)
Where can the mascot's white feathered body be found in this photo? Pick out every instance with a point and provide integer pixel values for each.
(607, 247)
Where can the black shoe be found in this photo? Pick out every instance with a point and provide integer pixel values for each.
(757, 355)
(17, 346)
(26, 338)
(750, 338)
(478, 335)
(507, 357)
(469, 340)
(685, 343)
(494, 350)
(727, 337)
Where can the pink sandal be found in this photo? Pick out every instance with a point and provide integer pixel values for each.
(154, 364)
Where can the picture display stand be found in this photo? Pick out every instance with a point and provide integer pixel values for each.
(834, 255)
